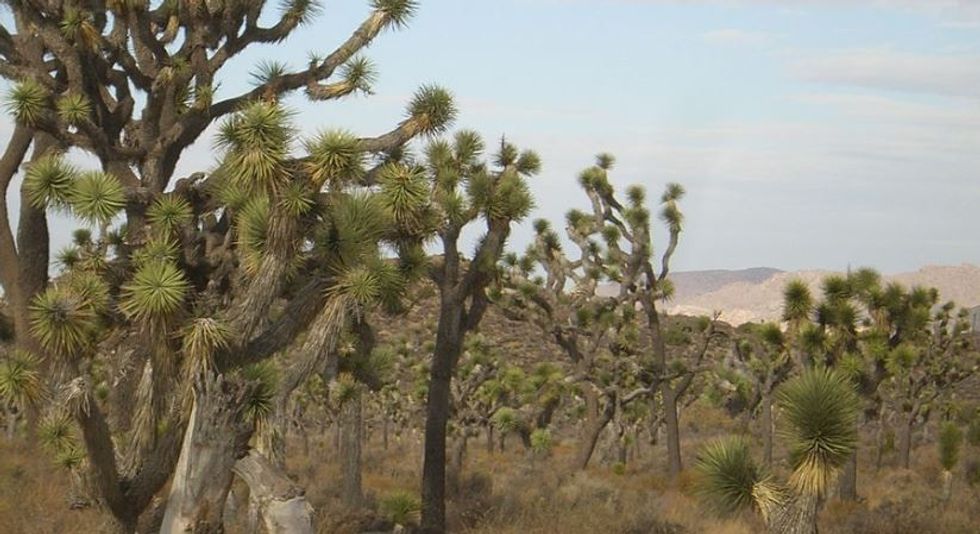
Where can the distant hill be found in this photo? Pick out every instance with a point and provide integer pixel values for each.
(690, 284)
(753, 295)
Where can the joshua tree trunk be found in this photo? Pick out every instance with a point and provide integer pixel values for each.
(282, 504)
(797, 516)
(673, 431)
(449, 345)
(848, 479)
(595, 423)
(767, 428)
(905, 443)
(947, 485)
(489, 438)
(216, 437)
(350, 450)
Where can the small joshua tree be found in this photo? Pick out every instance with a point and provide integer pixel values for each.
(950, 443)
(820, 408)
(763, 357)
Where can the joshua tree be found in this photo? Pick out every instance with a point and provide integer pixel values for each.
(820, 408)
(928, 366)
(135, 85)
(601, 334)
(950, 442)
(461, 190)
(762, 356)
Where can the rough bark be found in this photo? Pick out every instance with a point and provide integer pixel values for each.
(672, 424)
(449, 345)
(350, 451)
(595, 423)
(905, 444)
(796, 516)
(282, 504)
(947, 485)
(216, 437)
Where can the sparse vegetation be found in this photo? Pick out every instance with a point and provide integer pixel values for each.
(307, 336)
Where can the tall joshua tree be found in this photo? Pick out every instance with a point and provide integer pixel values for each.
(199, 273)
(303, 235)
(135, 83)
(462, 190)
(820, 409)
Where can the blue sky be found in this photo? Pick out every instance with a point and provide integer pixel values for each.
(809, 134)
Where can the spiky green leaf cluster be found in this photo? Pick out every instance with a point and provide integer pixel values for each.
(405, 194)
(63, 322)
(169, 213)
(263, 379)
(432, 108)
(820, 407)
(48, 182)
(21, 384)
(335, 158)
(74, 108)
(97, 197)
(202, 338)
(950, 442)
(256, 143)
(397, 12)
(727, 474)
(28, 101)
(157, 291)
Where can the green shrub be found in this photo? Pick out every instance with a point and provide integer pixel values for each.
(950, 440)
(401, 507)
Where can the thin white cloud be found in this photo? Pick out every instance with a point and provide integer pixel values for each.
(890, 70)
(737, 37)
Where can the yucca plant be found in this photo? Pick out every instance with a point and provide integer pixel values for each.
(820, 407)
(21, 386)
(950, 443)
(401, 507)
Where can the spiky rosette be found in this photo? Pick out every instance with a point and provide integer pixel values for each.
(263, 380)
(202, 338)
(344, 388)
(335, 158)
(157, 291)
(405, 194)
(21, 384)
(256, 141)
(729, 479)
(432, 110)
(56, 434)
(74, 108)
(358, 222)
(397, 12)
(89, 286)
(48, 182)
(63, 322)
(97, 197)
(820, 407)
(157, 249)
(950, 441)
(797, 301)
(28, 101)
(169, 213)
